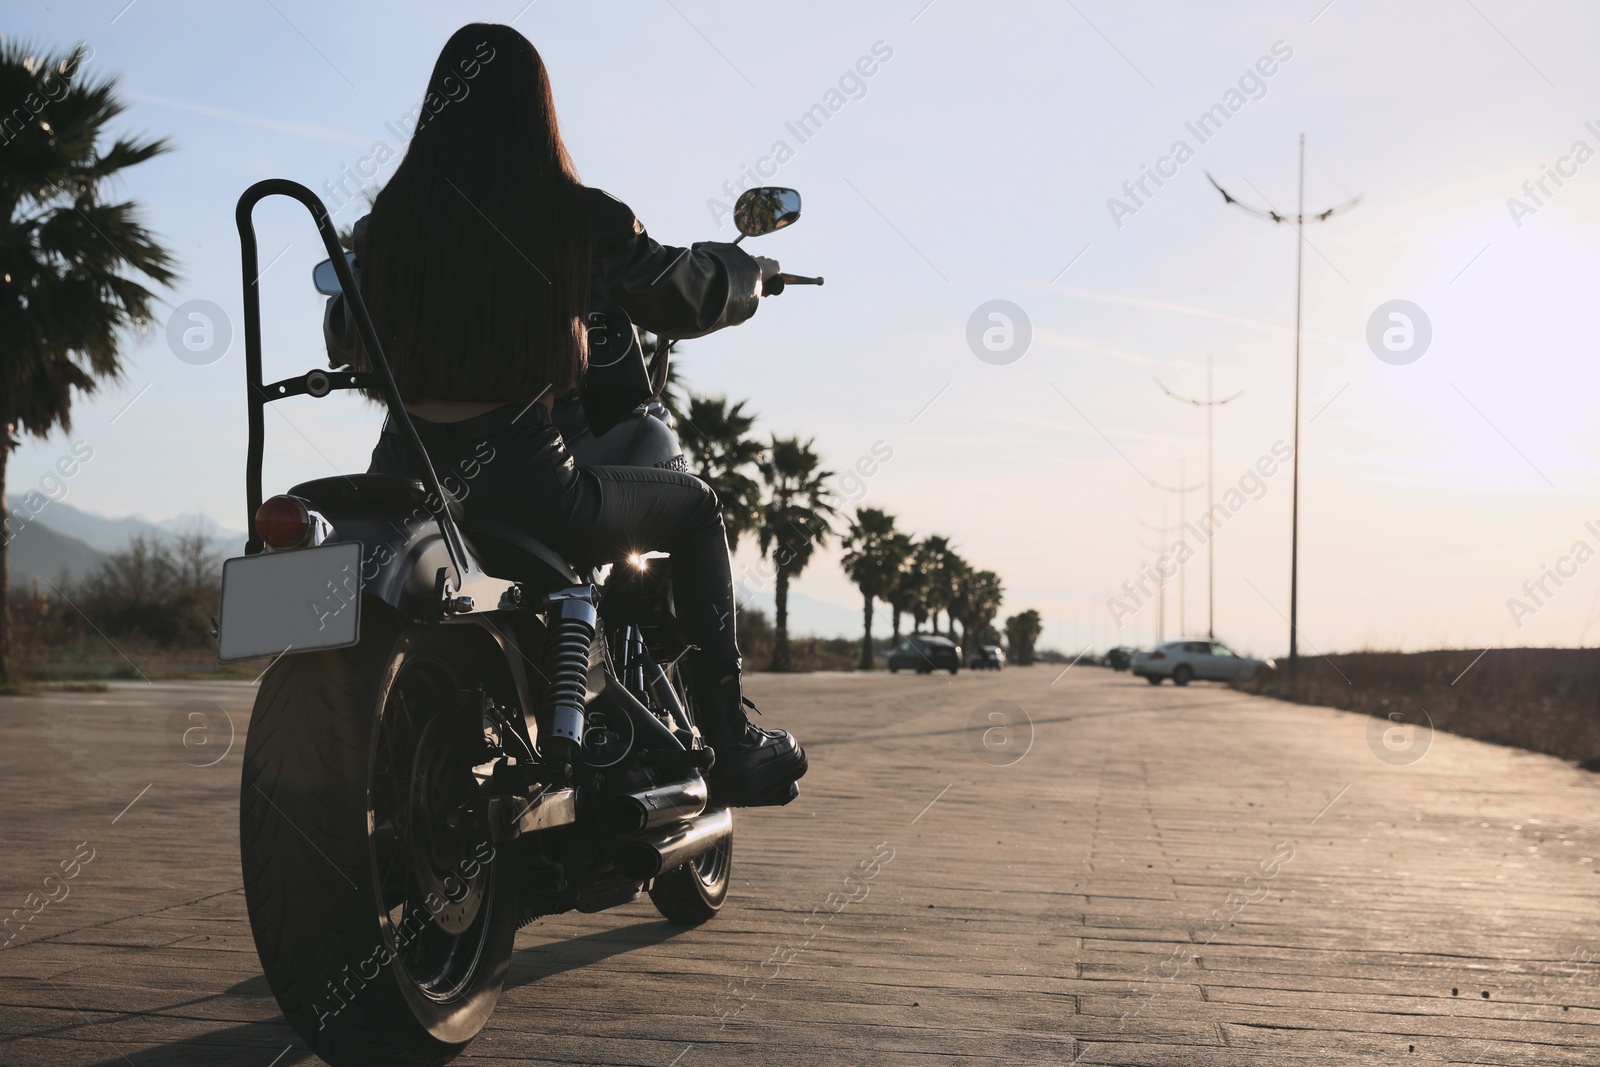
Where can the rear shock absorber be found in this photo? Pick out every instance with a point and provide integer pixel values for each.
(571, 618)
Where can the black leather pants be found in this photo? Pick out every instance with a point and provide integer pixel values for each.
(515, 468)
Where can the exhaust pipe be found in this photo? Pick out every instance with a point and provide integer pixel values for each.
(650, 857)
(665, 805)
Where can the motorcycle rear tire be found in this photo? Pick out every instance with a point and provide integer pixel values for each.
(334, 956)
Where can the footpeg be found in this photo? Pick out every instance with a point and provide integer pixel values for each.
(775, 797)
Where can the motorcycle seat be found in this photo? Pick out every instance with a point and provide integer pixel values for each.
(369, 492)
(506, 552)
(503, 550)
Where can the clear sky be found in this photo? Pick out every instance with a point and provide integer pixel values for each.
(979, 162)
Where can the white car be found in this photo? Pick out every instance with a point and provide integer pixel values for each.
(1185, 661)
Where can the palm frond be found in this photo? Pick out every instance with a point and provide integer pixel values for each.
(74, 265)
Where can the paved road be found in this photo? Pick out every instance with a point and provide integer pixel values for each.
(1163, 877)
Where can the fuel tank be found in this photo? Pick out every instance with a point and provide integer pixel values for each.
(645, 438)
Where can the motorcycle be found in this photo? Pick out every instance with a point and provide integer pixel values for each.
(459, 732)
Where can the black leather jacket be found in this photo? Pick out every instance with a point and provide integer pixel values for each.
(672, 292)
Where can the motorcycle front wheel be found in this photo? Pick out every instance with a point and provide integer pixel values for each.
(693, 893)
(384, 919)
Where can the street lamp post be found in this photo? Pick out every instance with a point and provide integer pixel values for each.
(1182, 490)
(1210, 405)
(1161, 582)
(1299, 261)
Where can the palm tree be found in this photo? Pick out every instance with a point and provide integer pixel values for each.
(931, 559)
(913, 590)
(957, 580)
(1022, 630)
(66, 254)
(872, 560)
(795, 519)
(722, 454)
(981, 595)
(902, 583)
(919, 588)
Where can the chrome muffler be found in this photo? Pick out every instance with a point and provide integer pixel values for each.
(653, 855)
(665, 805)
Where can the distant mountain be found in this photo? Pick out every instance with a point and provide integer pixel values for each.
(62, 541)
(49, 555)
(106, 535)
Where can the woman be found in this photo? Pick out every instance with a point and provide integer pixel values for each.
(482, 264)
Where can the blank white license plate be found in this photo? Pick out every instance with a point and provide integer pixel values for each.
(293, 601)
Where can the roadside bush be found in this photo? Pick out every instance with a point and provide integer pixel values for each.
(1543, 699)
(156, 596)
(805, 653)
(163, 591)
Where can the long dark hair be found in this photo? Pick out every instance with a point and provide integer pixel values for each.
(475, 266)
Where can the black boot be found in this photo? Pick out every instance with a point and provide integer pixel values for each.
(755, 767)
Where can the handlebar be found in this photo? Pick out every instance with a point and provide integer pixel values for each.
(778, 282)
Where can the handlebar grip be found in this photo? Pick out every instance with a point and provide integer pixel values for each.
(778, 282)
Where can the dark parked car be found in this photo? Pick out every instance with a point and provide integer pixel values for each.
(987, 658)
(925, 654)
(1119, 658)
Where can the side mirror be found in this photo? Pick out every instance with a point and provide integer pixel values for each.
(764, 209)
(326, 279)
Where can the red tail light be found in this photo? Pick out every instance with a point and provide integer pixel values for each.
(283, 521)
(1153, 655)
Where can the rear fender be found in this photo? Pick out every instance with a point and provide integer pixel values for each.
(513, 639)
(400, 559)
